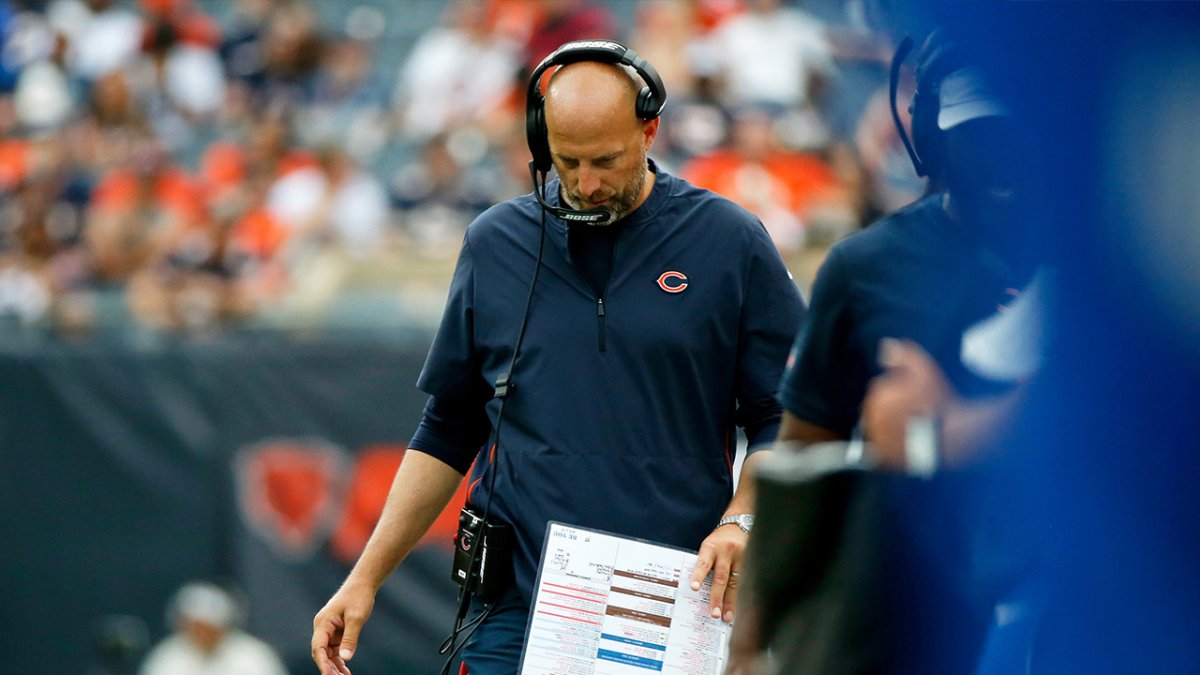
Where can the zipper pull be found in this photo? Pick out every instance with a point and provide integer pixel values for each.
(599, 306)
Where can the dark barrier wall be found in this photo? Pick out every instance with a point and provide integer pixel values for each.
(126, 471)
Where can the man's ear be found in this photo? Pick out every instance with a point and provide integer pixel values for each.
(650, 132)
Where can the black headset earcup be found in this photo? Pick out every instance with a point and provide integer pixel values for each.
(647, 106)
(535, 133)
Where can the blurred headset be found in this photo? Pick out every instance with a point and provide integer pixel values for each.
(650, 101)
(935, 61)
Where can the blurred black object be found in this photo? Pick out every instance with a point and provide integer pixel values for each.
(816, 580)
(119, 642)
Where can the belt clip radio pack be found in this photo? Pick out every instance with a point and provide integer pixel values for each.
(482, 555)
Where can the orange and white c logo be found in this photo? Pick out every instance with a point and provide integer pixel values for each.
(673, 282)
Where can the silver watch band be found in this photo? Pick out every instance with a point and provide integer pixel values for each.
(743, 520)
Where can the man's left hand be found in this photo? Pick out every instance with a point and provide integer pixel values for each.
(721, 553)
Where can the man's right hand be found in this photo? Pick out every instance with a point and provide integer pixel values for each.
(336, 628)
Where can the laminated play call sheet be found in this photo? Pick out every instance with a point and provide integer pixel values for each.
(609, 604)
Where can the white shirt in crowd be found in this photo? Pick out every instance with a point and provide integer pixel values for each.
(237, 654)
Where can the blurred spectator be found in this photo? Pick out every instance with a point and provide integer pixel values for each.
(178, 81)
(242, 48)
(561, 21)
(200, 278)
(292, 230)
(137, 213)
(207, 639)
(186, 19)
(241, 260)
(770, 54)
(291, 45)
(104, 35)
(35, 57)
(700, 122)
(663, 34)
(458, 74)
(41, 256)
(185, 69)
(334, 203)
(230, 169)
(108, 129)
(349, 101)
(790, 192)
(196, 286)
(437, 199)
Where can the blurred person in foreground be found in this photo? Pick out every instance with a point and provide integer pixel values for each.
(1005, 348)
(615, 419)
(919, 423)
(922, 274)
(207, 640)
(1098, 463)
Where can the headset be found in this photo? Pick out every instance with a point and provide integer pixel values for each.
(650, 102)
(934, 61)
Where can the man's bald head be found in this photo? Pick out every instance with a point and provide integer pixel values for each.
(591, 94)
(597, 142)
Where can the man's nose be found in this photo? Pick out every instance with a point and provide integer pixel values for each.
(589, 181)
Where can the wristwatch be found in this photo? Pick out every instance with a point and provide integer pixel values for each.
(922, 436)
(742, 520)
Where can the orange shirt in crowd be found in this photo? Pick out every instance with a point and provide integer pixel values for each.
(223, 170)
(796, 181)
(173, 190)
(14, 162)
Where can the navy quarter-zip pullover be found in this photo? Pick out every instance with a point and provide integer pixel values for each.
(624, 400)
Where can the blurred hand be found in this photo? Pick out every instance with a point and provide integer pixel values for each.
(336, 628)
(912, 385)
(721, 553)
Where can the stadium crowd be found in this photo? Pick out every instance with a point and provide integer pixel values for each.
(181, 165)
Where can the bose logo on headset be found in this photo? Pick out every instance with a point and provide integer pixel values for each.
(649, 105)
(592, 44)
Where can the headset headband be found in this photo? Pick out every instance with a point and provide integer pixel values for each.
(894, 82)
(935, 60)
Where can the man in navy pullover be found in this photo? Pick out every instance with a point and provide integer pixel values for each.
(647, 342)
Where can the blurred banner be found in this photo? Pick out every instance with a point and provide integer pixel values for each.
(126, 471)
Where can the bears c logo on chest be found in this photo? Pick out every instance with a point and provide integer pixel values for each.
(673, 282)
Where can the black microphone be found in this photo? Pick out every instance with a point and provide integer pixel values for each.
(598, 216)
